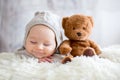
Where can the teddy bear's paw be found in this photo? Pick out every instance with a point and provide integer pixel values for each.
(67, 59)
(89, 52)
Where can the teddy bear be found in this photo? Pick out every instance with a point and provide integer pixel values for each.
(77, 28)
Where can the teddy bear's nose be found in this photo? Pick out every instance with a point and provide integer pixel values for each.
(79, 34)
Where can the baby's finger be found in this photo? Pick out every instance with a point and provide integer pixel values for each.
(49, 60)
(45, 60)
(41, 60)
(50, 57)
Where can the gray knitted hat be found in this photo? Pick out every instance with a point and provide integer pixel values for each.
(50, 20)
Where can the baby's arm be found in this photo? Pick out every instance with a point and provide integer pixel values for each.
(46, 59)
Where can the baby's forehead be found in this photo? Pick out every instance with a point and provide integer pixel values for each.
(40, 26)
(42, 38)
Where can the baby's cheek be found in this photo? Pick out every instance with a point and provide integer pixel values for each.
(50, 52)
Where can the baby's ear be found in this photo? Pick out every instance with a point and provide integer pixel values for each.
(91, 20)
(37, 13)
(64, 21)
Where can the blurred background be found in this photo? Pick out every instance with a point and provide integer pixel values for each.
(15, 14)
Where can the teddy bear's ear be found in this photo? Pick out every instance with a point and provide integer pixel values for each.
(91, 20)
(64, 21)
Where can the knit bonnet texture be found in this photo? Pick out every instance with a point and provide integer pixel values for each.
(48, 19)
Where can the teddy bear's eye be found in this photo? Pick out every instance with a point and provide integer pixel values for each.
(84, 28)
(73, 28)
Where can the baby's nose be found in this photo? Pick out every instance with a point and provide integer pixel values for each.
(40, 46)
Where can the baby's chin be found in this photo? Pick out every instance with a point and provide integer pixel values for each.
(37, 55)
(41, 56)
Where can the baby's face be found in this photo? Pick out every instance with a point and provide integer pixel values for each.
(40, 41)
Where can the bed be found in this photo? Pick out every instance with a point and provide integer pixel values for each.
(103, 67)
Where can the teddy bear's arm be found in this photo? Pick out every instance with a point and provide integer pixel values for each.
(64, 47)
(95, 47)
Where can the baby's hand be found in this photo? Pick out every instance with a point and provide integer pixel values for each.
(45, 59)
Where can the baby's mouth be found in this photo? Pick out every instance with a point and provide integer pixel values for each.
(39, 54)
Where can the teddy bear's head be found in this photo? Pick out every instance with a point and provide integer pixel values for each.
(77, 27)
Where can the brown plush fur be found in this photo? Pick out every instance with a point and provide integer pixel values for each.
(77, 29)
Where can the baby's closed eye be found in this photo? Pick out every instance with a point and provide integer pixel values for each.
(47, 44)
(33, 42)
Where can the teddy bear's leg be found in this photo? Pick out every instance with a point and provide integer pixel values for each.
(89, 52)
(66, 59)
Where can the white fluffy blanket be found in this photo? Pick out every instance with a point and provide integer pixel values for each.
(81, 68)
